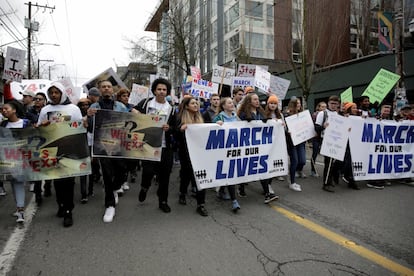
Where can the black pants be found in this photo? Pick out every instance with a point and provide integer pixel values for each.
(187, 177)
(331, 171)
(162, 170)
(64, 189)
(113, 171)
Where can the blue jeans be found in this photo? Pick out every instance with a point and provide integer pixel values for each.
(297, 156)
(18, 192)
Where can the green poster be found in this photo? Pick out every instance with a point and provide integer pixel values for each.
(381, 85)
(346, 96)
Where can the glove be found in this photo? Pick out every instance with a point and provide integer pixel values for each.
(265, 120)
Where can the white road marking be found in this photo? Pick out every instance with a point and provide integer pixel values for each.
(16, 238)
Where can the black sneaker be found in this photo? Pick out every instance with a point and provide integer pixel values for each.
(182, 200)
(164, 207)
(242, 192)
(202, 211)
(328, 188)
(142, 195)
(270, 197)
(67, 219)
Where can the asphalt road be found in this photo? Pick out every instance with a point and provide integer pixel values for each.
(377, 227)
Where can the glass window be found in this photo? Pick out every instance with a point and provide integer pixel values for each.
(254, 9)
(234, 42)
(226, 20)
(234, 17)
(214, 31)
(269, 15)
(213, 8)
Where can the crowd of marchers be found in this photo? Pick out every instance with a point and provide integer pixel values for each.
(40, 110)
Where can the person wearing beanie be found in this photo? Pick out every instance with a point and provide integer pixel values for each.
(348, 107)
(94, 95)
(61, 109)
(249, 89)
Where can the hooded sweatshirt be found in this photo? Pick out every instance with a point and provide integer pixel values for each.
(63, 111)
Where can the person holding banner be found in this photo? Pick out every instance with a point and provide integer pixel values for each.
(297, 153)
(189, 113)
(13, 111)
(227, 114)
(61, 109)
(161, 88)
(317, 140)
(250, 109)
(112, 169)
(331, 169)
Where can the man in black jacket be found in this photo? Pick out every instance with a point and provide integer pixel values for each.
(162, 169)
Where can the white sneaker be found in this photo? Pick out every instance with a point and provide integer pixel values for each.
(120, 191)
(116, 197)
(280, 178)
(295, 187)
(109, 214)
(271, 190)
(20, 217)
(301, 174)
(125, 186)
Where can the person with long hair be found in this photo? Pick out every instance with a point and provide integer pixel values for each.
(13, 112)
(227, 114)
(297, 154)
(250, 109)
(189, 113)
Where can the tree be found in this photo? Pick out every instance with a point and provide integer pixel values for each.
(319, 39)
(173, 40)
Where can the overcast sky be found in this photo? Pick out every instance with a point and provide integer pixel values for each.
(91, 33)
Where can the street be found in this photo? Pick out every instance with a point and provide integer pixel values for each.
(299, 234)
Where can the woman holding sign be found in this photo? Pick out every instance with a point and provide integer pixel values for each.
(297, 153)
(189, 113)
(250, 110)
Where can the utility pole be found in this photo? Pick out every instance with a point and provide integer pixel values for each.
(32, 26)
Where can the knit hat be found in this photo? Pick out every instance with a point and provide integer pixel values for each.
(273, 99)
(348, 105)
(248, 89)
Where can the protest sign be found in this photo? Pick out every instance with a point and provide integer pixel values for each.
(14, 64)
(346, 96)
(222, 75)
(381, 149)
(335, 137)
(262, 79)
(236, 152)
(379, 87)
(301, 127)
(138, 93)
(278, 86)
(47, 152)
(203, 89)
(73, 94)
(242, 82)
(248, 70)
(195, 72)
(35, 86)
(128, 135)
(109, 75)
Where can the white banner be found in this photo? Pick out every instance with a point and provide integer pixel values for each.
(381, 149)
(203, 88)
(236, 152)
(138, 93)
(248, 70)
(73, 94)
(262, 79)
(301, 127)
(222, 75)
(335, 137)
(14, 64)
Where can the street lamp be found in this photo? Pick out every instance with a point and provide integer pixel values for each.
(38, 65)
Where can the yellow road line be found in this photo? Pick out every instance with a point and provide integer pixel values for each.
(343, 241)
